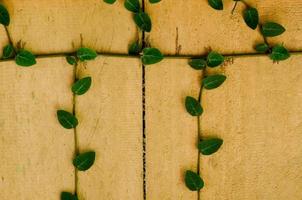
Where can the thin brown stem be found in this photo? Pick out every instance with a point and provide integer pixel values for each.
(10, 41)
(75, 131)
(203, 73)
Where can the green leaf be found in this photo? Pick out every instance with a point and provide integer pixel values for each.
(81, 86)
(213, 81)
(272, 29)
(210, 146)
(151, 56)
(193, 106)
(279, 52)
(198, 63)
(110, 1)
(84, 161)
(216, 4)
(251, 17)
(25, 58)
(143, 21)
(86, 54)
(214, 59)
(193, 181)
(66, 119)
(68, 196)
(71, 60)
(262, 48)
(132, 5)
(8, 51)
(154, 1)
(4, 16)
(135, 48)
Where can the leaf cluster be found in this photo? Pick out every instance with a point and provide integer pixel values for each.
(193, 106)
(268, 29)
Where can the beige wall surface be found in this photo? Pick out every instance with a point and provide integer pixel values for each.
(189, 27)
(258, 113)
(134, 114)
(110, 116)
(55, 26)
(171, 133)
(35, 151)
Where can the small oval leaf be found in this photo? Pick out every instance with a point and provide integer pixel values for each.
(81, 86)
(216, 4)
(8, 51)
(71, 60)
(151, 56)
(214, 59)
(68, 196)
(193, 181)
(4, 16)
(193, 106)
(210, 146)
(135, 48)
(86, 54)
(198, 63)
(213, 81)
(132, 5)
(154, 1)
(272, 29)
(110, 1)
(66, 119)
(279, 52)
(143, 21)
(251, 17)
(25, 58)
(262, 48)
(84, 161)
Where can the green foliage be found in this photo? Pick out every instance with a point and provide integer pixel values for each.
(154, 1)
(193, 106)
(4, 16)
(71, 60)
(210, 146)
(8, 52)
(84, 54)
(132, 5)
(81, 86)
(143, 21)
(135, 48)
(251, 17)
(262, 48)
(214, 59)
(279, 52)
(84, 161)
(198, 63)
(272, 29)
(25, 58)
(66, 119)
(110, 1)
(68, 196)
(216, 4)
(193, 181)
(213, 81)
(151, 56)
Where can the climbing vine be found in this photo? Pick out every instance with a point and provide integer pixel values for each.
(83, 161)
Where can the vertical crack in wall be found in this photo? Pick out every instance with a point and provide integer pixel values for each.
(144, 112)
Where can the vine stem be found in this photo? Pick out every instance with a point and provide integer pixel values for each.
(232, 12)
(75, 130)
(203, 73)
(10, 41)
